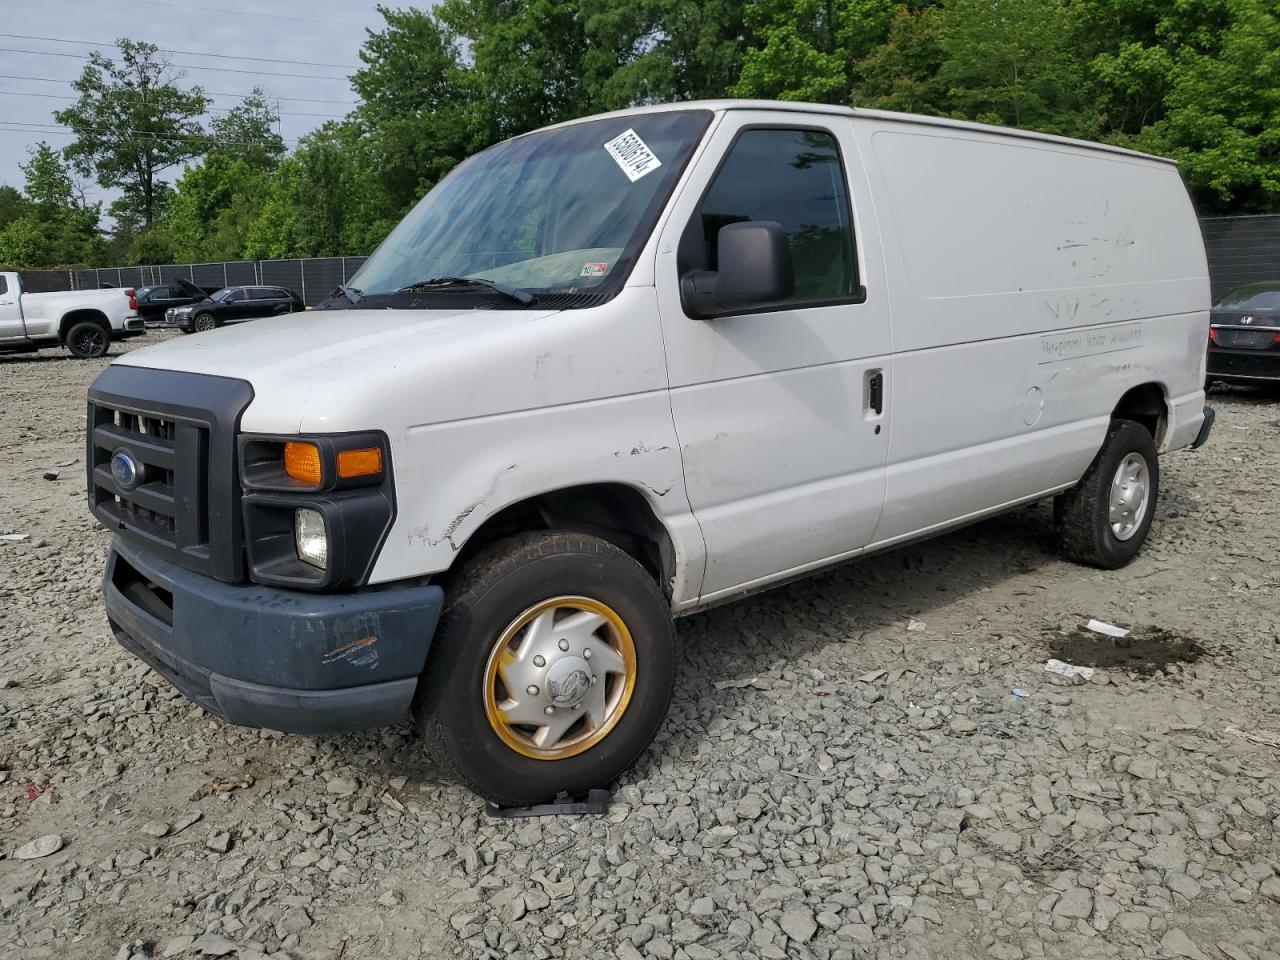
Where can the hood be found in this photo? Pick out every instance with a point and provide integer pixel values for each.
(329, 370)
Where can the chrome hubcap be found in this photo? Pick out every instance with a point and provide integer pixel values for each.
(559, 678)
(1130, 496)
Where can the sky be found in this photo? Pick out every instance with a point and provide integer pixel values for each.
(324, 32)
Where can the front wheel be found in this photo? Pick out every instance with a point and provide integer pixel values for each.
(1103, 520)
(204, 323)
(551, 670)
(88, 340)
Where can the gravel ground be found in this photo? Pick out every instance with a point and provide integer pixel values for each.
(846, 771)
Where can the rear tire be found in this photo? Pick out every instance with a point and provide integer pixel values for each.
(544, 592)
(1104, 520)
(88, 340)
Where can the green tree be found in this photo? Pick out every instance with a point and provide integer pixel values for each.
(902, 73)
(416, 116)
(807, 49)
(12, 205)
(1011, 62)
(216, 200)
(132, 122)
(247, 132)
(1199, 82)
(56, 226)
(320, 203)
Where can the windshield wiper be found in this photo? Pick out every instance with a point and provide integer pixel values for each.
(523, 297)
(351, 293)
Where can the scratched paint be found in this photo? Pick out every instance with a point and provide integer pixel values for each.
(357, 653)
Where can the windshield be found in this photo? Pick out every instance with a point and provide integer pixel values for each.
(562, 210)
(224, 294)
(1261, 297)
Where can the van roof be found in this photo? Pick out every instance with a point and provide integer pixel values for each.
(792, 106)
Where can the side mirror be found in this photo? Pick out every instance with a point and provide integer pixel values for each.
(755, 270)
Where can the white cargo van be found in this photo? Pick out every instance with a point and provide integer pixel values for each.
(625, 368)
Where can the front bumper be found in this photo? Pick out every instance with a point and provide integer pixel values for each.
(264, 657)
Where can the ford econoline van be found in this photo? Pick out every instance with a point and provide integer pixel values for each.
(625, 368)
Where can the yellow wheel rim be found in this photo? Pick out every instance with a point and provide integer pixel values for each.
(559, 678)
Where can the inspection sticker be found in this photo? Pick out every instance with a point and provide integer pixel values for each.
(632, 155)
(594, 269)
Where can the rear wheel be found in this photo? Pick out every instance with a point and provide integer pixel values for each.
(1104, 520)
(551, 670)
(88, 341)
(203, 323)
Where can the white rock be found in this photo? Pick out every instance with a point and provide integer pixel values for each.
(40, 847)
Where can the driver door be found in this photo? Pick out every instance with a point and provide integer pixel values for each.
(781, 411)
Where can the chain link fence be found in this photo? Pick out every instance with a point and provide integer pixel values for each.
(1240, 250)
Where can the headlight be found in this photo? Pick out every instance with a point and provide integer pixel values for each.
(310, 537)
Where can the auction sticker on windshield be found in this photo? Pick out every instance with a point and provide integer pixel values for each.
(632, 155)
(594, 269)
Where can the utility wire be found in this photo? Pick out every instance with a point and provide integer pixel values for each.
(184, 66)
(58, 96)
(208, 93)
(142, 134)
(247, 13)
(187, 53)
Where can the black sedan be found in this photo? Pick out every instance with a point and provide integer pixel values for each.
(1244, 336)
(233, 305)
(155, 301)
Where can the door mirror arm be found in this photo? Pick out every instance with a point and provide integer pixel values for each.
(755, 270)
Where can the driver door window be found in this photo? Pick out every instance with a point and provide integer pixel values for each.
(796, 178)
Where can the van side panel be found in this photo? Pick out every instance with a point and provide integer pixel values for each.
(1033, 284)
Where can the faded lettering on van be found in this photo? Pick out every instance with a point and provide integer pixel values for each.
(1088, 343)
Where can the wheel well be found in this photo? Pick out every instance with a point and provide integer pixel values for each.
(69, 320)
(1146, 405)
(613, 512)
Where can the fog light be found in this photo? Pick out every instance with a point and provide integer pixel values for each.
(310, 537)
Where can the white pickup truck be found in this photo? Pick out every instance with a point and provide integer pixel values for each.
(84, 321)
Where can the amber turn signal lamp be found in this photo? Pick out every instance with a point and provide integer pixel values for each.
(302, 462)
(365, 462)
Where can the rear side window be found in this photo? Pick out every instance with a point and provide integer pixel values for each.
(794, 177)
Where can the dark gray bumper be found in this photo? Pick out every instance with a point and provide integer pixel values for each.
(264, 657)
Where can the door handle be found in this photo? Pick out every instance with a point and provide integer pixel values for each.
(875, 392)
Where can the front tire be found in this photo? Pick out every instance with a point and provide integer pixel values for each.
(204, 323)
(551, 670)
(88, 340)
(1104, 520)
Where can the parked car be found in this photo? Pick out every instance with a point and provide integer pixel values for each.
(1244, 336)
(634, 366)
(233, 305)
(155, 301)
(84, 321)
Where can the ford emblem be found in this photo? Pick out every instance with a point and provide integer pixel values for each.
(125, 471)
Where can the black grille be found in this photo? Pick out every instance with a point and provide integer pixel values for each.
(178, 431)
(169, 504)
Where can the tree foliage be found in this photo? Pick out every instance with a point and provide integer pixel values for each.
(1198, 81)
(49, 223)
(133, 122)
